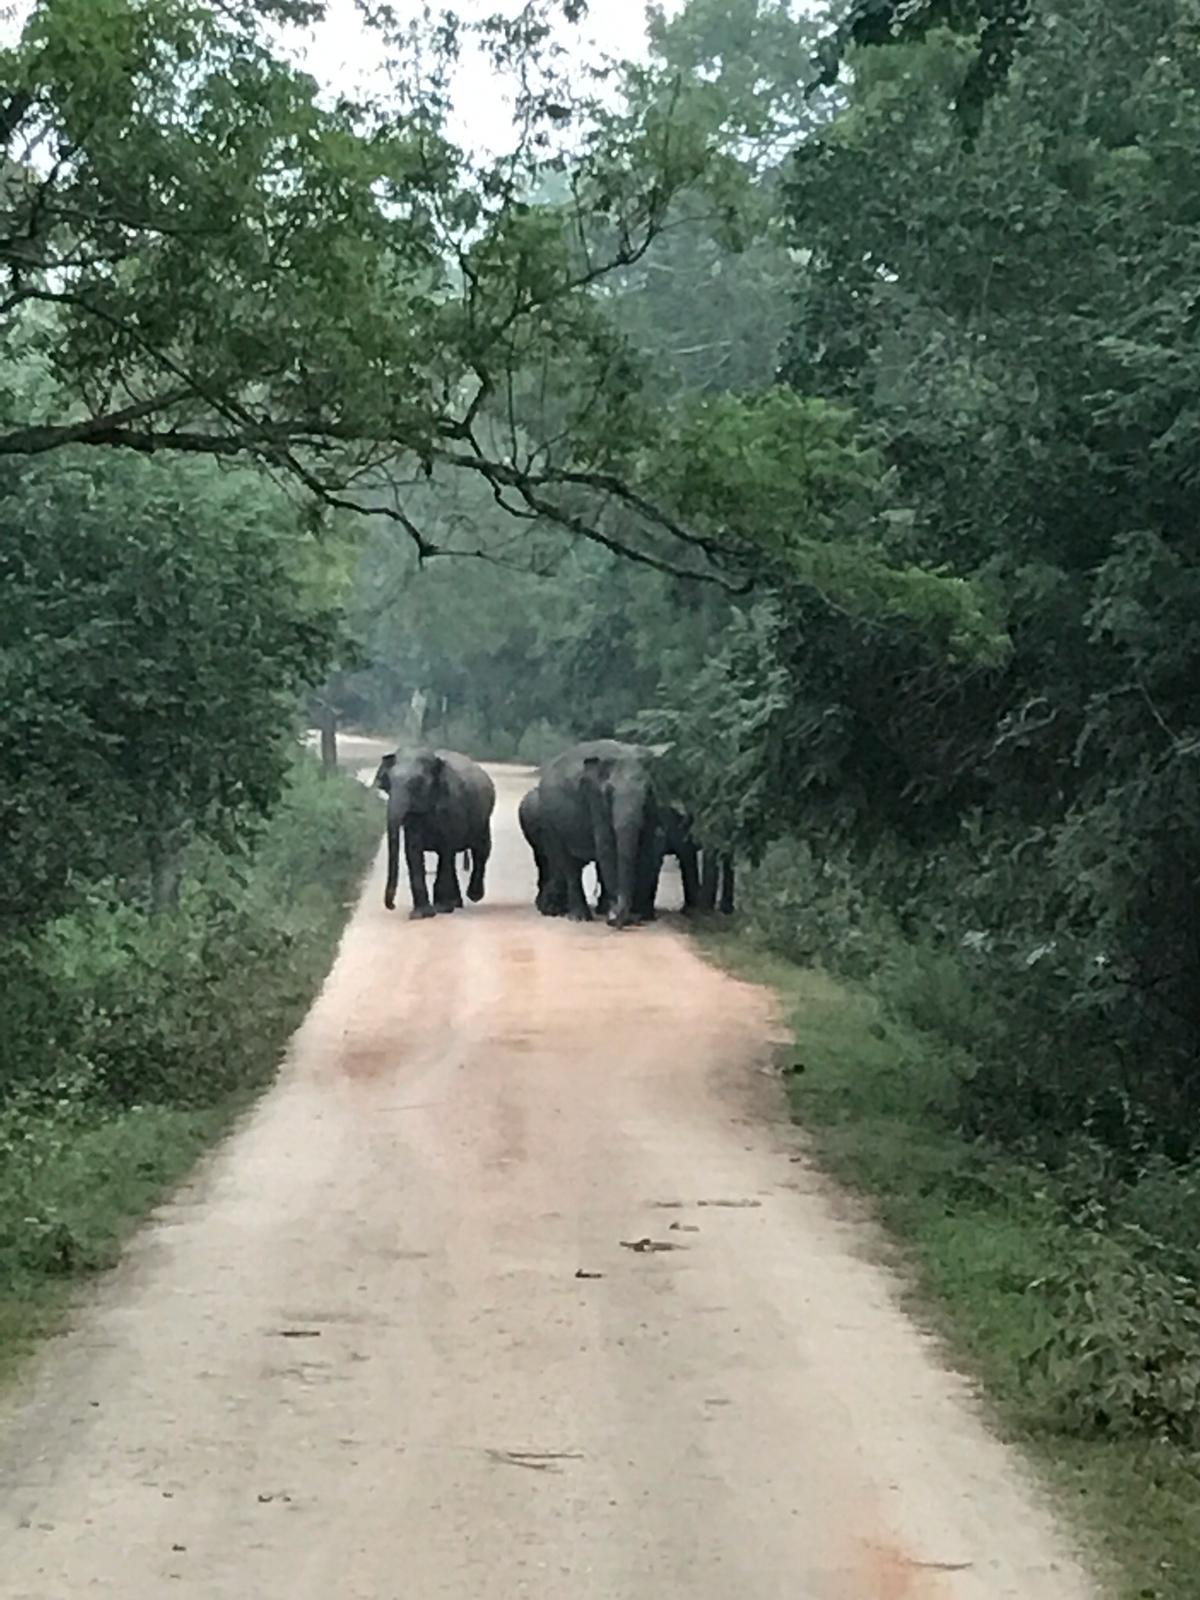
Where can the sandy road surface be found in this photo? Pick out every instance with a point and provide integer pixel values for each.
(476, 1110)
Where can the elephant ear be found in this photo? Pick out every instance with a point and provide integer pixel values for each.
(383, 778)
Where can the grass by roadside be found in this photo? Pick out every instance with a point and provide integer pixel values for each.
(979, 1229)
(133, 1042)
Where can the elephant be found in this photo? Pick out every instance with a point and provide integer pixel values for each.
(673, 837)
(596, 802)
(551, 898)
(707, 874)
(443, 801)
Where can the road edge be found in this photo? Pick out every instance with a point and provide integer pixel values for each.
(965, 1268)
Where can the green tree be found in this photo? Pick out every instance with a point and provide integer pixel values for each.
(1011, 318)
(153, 641)
(237, 268)
(234, 267)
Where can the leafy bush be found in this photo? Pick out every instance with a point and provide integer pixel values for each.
(130, 1008)
(1123, 1358)
(154, 634)
(810, 908)
(1163, 1203)
(131, 1037)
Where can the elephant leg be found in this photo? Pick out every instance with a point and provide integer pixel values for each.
(710, 865)
(551, 899)
(544, 881)
(649, 871)
(552, 895)
(652, 853)
(578, 909)
(446, 894)
(554, 900)
(414, 857)
(539, 861)
(727, 886)
(689, 871)
(604, 893)
(481, 849)
(568, 873)
(393, 863)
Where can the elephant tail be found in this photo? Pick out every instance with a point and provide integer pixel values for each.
(466, 860)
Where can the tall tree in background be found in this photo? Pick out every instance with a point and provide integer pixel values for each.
(191, 212)
(156, 629)
(697, 322)
(1009, 307)
(236, 267)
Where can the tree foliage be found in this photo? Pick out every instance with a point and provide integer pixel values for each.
(838, 423)
(153, 640)
(1011, 319)
(235, 265)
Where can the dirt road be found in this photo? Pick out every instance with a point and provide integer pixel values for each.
(392, 1344)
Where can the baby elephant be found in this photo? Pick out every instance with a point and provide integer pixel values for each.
(707, 875)
(443, 801)
(551, 898)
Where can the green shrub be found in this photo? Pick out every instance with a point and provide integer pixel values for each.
(810, 907)
(184, 1008)
(130, 1038)
(1163, 1202)
(1123, 1358)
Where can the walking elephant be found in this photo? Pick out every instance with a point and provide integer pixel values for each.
(596, 802)
(707, 875)
(551, 898)
(672, 837)
(443, 802)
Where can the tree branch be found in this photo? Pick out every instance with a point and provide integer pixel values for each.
(109, 429)
(501, 473)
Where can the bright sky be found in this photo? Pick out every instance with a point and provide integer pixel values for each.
(343, 54)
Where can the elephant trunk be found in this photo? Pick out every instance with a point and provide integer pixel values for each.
(395, 822)
(629, 815)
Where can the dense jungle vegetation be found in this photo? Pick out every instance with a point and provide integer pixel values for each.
(921, 391)
(818, 394)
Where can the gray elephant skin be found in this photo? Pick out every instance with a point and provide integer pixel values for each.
(442, 802)
(551, 898)
(672, 837)
(596, 802)
(707, 875)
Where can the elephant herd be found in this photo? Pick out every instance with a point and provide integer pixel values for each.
(596, 804)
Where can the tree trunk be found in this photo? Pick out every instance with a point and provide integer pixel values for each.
(164, 857)
(710, 866)
(327, 722)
